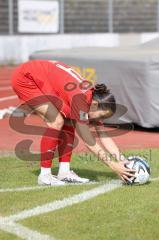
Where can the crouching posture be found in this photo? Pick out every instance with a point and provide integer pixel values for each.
(66, 101)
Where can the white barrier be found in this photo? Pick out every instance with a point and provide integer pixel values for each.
(15, 49)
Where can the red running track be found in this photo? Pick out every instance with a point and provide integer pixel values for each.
(10, 138)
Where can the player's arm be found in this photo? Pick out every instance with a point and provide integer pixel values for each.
(108, 144)
(84, 132)
(79, 113)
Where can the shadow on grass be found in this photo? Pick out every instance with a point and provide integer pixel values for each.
(91, 174)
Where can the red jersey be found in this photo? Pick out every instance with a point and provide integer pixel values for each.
(69, 92)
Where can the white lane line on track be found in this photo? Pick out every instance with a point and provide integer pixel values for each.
(55, 205)
(22, 232)
(5, 88)
(8, 98)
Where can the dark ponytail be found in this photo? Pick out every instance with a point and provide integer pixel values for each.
(104, 97)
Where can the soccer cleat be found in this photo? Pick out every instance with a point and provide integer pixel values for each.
(71, 177)
(49, 180)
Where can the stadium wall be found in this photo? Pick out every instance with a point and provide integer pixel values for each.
(86, 23)
(16, 49)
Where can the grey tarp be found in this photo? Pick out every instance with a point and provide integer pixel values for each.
(132, 75)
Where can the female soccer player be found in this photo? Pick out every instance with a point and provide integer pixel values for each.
(66, 101)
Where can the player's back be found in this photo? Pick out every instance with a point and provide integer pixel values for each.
(53, 76)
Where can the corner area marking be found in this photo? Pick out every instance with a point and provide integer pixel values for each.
(9, 224)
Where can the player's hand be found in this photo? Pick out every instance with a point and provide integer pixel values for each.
(120, 169)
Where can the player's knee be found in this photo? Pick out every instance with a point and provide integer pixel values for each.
(58, 123)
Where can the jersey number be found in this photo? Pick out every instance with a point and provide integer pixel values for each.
(72, 72)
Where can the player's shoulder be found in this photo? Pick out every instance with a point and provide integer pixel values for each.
(59, 64)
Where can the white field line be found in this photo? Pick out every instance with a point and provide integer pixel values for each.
(22, 189)
(55, 205)
(5, 88)
(8, 224)
(154, 179)
(22, 232)
(8, 98)
(32, 188)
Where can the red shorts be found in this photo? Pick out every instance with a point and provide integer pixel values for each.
(26, 88)
(40, 81)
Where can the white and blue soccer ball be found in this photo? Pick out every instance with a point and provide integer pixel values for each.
(142, 168)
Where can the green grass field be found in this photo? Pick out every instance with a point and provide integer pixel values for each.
(129, 213)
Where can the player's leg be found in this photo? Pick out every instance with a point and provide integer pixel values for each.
(67, 136)
(65, 152)
(27, 90)
(49, 141)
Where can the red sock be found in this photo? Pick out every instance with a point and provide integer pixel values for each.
(48, 146)
(66, 147)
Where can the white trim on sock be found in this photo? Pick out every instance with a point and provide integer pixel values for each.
(45, 171)
(64, 167)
